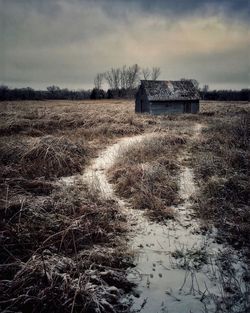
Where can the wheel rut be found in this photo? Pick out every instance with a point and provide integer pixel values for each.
(176, 268)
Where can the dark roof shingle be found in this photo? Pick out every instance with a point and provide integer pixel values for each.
(163, 90)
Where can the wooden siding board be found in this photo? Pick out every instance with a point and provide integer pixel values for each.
(195, 107)
(167, 108)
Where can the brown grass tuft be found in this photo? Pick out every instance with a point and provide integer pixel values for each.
(54, 157)
(50, 257)
(146, 174)
(222, 166)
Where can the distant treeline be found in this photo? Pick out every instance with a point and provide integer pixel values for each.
(56, 93)
(226, 95)
(52, 93)
(216, 95)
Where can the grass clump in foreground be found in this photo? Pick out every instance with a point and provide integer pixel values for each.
(51, 156)
(147, 175)
(221, 165)
(48, 156)
(62, 253)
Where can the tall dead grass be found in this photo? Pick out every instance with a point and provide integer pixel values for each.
(147, 175)
(94, 119)
(221, 164)
(47, 156)
(61, 249)
(52, 253)
(54, 157)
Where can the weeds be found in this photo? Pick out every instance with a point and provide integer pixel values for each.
(221, 164)
(48, 255)
(54, 157)
(146, 174)
(191, 259)
(234, 285)
(47, 156)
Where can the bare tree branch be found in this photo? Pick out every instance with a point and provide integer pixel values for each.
(133, 76)
(98, 80)
(156, 71)
(146, 73)
(113, 78)
(124, 77)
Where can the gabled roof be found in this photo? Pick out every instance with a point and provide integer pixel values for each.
(163, 90)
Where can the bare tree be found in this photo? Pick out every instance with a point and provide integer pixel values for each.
(113, 78)
(116, 72)
(156, 71)
(129, 77)
(204, 91)
(53, 89)
(205, 88)
(133, 76)
(98, 80)
(146, 73)
(124, 77)
(109, 79)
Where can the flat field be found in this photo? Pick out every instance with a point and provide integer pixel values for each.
(63, 246)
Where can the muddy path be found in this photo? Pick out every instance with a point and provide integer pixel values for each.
(176, 265)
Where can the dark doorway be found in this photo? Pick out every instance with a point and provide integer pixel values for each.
(187, 108)
(141, 102)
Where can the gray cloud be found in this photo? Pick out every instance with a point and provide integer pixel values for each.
(230, 8)
(68, 42)
(234, 8)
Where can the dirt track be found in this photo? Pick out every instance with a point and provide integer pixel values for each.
(176, 267)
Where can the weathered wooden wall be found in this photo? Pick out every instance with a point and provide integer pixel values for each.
(195, 107)
(174, 107)
(142, 104)
(166, 108)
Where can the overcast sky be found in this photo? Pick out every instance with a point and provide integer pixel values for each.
(66, 42)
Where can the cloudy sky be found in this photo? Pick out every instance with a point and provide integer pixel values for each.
(66, 42)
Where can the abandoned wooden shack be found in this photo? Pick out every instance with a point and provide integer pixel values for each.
(167, 97)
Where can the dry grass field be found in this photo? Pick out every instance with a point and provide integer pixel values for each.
(64, 249)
